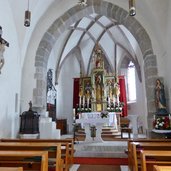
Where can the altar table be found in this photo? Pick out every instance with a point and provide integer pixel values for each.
(98, 123)
(113, 119)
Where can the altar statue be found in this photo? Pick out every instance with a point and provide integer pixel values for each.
(98, 82)
(160, 99)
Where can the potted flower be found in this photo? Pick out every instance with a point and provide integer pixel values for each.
(162, 123)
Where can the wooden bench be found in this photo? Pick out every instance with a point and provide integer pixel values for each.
(67, 152)
(149, 158)
(161, 168)
(11, 169)
(29, 160)
(53, 149)
(135, 147)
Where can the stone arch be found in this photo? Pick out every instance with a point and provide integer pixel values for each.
(72, 15)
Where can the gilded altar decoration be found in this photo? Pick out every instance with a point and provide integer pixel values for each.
(100, 91)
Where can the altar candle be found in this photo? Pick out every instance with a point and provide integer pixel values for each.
(118, 100)
(154, 117)
(74, 111)
(109, 101)
(80, 101)
(83, 101)
(114, 101)
(87, 102)
(169, 116)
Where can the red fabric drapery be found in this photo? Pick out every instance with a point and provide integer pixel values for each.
(76, 92)
(122, 97)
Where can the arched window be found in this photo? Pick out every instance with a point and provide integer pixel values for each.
(131, 83)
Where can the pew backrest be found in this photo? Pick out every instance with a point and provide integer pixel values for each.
(53, 149)
(19, 157)
(154, 157)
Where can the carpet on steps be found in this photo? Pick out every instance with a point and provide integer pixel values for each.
(98, 168)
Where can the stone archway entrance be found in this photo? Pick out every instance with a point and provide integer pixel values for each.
(72, 15)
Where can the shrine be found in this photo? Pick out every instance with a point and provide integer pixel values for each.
(100, 91)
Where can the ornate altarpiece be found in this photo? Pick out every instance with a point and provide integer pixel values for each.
(100, 91)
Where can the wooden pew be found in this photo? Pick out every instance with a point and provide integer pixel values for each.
(67, 148)
(11, 169)
(161, 168)
(53, 149)
(149, 158)
(135, 147)
(26, 159)
(129, 151)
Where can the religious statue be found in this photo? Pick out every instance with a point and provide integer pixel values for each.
(2, 61)
(160, 99)
(98, 82)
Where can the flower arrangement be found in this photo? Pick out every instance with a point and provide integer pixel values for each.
(104, 114)
(162, 123)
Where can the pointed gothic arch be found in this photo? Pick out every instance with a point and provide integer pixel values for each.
(111, 11)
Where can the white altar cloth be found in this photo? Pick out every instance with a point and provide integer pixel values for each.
(98, 123)
(112, 119)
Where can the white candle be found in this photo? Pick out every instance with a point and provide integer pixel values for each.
(87, 102)
(169, 116)
(118, 100)
(83, 101)
(74, 111)
(154, 117)
(109, 101)
(80, 101)
(114, 101)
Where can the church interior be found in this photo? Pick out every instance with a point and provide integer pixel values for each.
(93, 71)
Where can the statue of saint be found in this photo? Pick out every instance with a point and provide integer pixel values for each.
(98, 81)
(160, 99)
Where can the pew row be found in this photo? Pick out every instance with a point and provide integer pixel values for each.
(161, 168)
(135, 147)
(28, 160)
(53, 149)
(149, 158)
(11, 169)
(67, 151)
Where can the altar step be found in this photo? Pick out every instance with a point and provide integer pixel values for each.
(107, 134)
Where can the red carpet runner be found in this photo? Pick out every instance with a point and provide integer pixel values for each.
(102, 161)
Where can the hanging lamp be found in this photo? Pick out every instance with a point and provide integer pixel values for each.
(132, 10)
(27, 17)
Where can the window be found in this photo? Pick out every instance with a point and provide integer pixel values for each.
(131, 82)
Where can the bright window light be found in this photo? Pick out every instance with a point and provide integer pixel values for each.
(131, 82)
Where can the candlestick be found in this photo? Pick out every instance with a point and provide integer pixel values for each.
(109, 101)
(74, 111)
(154, 117)
(88, 102)
(79, 101)
(83, 101)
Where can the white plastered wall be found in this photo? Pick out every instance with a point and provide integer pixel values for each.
(10, 76)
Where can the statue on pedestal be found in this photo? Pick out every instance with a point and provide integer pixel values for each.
(160, 98)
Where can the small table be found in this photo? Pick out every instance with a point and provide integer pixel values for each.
(126, 130)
